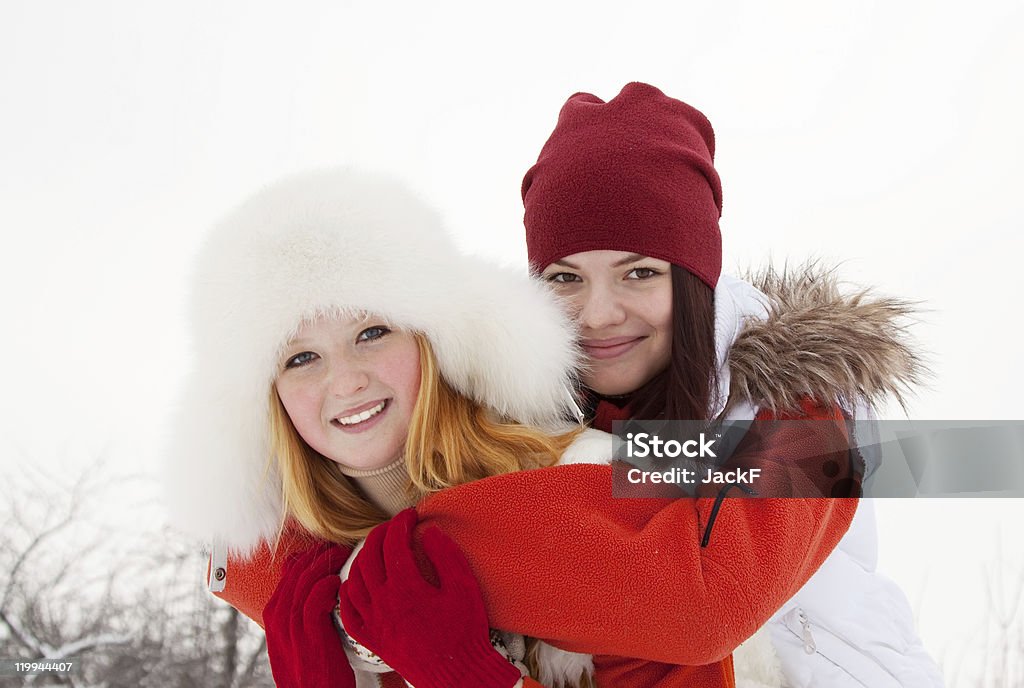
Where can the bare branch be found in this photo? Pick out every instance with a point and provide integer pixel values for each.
(255, 660)
(36, 542)
(84, 644)
(25, 638)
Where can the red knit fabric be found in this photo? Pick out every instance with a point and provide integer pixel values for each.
(302, 641)
(633, 174)
(434, 635)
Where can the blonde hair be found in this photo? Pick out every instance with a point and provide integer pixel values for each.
(452, 440)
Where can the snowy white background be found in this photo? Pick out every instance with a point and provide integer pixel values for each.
(883, 134)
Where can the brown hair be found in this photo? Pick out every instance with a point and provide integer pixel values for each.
(452, 440)
(683, 391)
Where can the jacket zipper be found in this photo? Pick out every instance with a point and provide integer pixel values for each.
(715, 507)
(811, 647)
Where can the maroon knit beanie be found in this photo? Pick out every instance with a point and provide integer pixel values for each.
(634, 174)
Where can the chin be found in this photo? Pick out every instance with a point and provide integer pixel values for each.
(610, 388)
(618, 385)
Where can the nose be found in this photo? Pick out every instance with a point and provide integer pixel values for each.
(598, 308)
(347, 378)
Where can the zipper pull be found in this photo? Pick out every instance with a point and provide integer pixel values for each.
(805, 625)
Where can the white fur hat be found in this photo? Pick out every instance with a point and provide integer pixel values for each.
(342, 241)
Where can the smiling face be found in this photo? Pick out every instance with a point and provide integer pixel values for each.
(349, 385)
(623, 303)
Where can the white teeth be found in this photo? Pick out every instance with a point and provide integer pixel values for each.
(360, 417)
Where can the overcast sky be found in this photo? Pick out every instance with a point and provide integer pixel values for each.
(881, 134)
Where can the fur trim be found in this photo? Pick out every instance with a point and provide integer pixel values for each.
(818, 342)
(343, 241)
(561, 668)
(590, 446)
(756, 663)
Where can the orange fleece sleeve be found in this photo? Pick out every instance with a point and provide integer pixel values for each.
(250, 581)
(558, 558)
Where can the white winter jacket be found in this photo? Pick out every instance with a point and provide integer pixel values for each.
(850, 626)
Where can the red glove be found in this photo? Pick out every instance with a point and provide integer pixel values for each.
(433, 635)
(304, 645)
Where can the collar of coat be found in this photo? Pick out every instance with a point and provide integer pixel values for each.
(822, 341)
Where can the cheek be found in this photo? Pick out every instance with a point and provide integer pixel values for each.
(411, 380)
(659, 313)
(571, 296)
(573, 303)
(403, 372)
(301, 404)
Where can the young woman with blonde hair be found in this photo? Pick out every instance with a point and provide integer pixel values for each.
(350, 360)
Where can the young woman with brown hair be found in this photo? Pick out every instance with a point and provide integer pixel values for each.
(622, 211)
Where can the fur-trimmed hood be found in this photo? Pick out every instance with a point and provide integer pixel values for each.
(334, 242)
(805, 337)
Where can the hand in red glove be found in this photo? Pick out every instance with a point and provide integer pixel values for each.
(433, 635)
(303, 643)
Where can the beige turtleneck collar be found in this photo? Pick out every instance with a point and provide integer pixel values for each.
(384, 487)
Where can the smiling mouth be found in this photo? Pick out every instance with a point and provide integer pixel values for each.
(362, 417)
(609, 348)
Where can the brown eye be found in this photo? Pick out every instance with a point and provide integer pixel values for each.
(642, 273)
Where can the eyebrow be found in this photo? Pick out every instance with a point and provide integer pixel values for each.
(631, 258)
(297, 345)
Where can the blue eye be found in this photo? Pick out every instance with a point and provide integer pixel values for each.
(563, 277)
(299, 360)
(373, 333)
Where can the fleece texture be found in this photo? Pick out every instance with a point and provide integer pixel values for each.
(686, 604)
